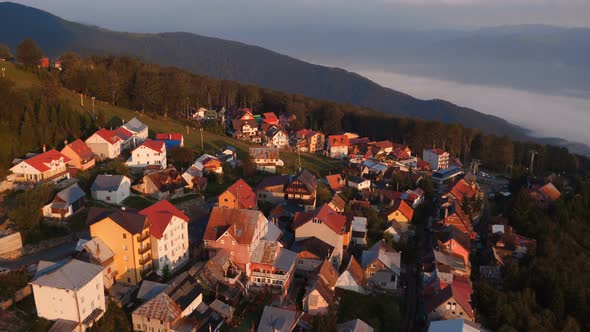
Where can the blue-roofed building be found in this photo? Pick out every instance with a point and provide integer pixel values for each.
(171, 140)
(446, 174)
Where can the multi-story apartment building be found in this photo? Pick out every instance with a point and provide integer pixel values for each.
(436, 158)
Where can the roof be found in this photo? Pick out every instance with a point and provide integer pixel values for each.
(131, 221)
(335, 182)
(355, 270)
(462, 291)
(463, 189)
(325, 214)
(278, 320)
(81, 149)
(273, 181)
(161, 307)
(169, 136)
(184, 289)
(244, 193)
(264, 153)
(454, 325)
(42, 161)
(307, 133)
(355, 325)
(107, 182)
(307, 179)
(108, 135)
(455, 263)
(166, 180)
(70, 274)
(436, 151)
(285, 259)
(338, 140)
(150, 289)
(239, 223)
(271, 253)
(98, 250)
(71, 194)
(153, 145)
(403, 208)
(328, 274)
(222, 308)
(338, 202)
(64, 325)
(123, 133)
(391, 260)
(550, 192)
(134, 125)
(314, 248)
(160, 215)
(356, 179)
(325, 292)
(359, 224)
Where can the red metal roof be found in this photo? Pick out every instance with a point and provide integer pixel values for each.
(156, 146)
(160, 214)
(244, 193)
(108, 135)
(336, 182)
(326, 215)
(169, 136)
(338, 140)
(81, 149)
(40, 161)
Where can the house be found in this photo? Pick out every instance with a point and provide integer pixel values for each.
(400, 212)
(138, 129)
(205, 164)
(446, 175)
(452, 264)
(128, 141)
(545, 195)
(69, 290)
(235, 231)
(278, 320)
(337, 146)
(81, 156)
(311, 141)
(158, 314)
(311, 253)
(186, 292)
(171, 140)
(355, 325)
(276, 137)
(337, 203)
(272, 267)
(335, 182)
(162, 184)
(358, 183)
(352, 278)
(112, 189)
(238, 196)
(127, 235)
(320, 295)
(105, 144)
(169, 235)
(50, 166)
(373, 169)
(44, 63)
(359, 230)
(396, 231)
(97, 252)
(452, 302)
(272, 189)
(436, 158)
(302, 189)
(454, 325)
(382, 268)
(150, 154)
(270, 118)
(452, 241)
(325, 224)
(244, 124)
(266, 159)
(65, 203)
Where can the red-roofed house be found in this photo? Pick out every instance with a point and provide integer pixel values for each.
(105, 144)
(127, 138)
(169, 235)
(270, 118)
(324, 224)
(400, 212)
(171, 137)
(336, 182)
(50, 166)
(44, 63)
(436, 158)
(150, 154)
(452, 302)
(238, 196)
(81, 157)
(337, 146)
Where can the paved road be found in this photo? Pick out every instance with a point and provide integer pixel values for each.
(52, 254)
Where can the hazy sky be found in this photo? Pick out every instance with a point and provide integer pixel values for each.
(222, 17)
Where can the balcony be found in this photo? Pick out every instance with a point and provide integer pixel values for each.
(270, 275)
(144, 249)
(143, 237)
(145, 260)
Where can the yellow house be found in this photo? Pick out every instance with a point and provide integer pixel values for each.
(400, 212)
(127, 234)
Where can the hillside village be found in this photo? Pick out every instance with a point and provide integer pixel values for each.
(235, 240)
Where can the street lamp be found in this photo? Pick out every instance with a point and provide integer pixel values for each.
(3, 70)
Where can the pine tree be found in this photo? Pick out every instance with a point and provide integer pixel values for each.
(28, 53)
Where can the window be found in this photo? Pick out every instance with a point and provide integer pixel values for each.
(126, 258)
(232, 253)
(82, 299)
(124, 247)
(108, 198)
(124, 235)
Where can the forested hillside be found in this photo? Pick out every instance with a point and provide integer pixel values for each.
(234, 61)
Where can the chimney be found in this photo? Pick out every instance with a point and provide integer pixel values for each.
(97, 249)
(44, 148)
(65, 142)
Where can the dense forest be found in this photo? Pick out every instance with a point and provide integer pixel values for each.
(151, 88)
(549, 290)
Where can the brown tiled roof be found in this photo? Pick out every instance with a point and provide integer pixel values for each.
(402, 207)
(273, 181)
(336, 182)
(463, 189)
(162, 307)
(166, 180)
(328, 274)
(239, 223)
(326, 214)
(355, 270)
(550, 192)
(81, 149)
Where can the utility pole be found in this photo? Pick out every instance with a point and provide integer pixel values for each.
(202, 148)
(93, 116)
(81, 100)
(533, 153)
(3, 70)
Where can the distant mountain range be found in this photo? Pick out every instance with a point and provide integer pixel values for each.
(235, 61)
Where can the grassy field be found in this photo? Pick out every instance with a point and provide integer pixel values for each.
(212, 142)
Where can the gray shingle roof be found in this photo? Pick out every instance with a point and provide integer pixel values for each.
(134, 125)
(277, 319)
(69, 274)
(105, 182)
(285, 260)
(71, 194)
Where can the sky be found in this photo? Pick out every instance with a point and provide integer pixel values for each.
(223, 17)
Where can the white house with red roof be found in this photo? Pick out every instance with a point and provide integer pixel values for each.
(337, 146)
(169, 235)
(436, 158)
(150, 154)
(105, 144)
(127, 138)
(324, 224)
(50, 166)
